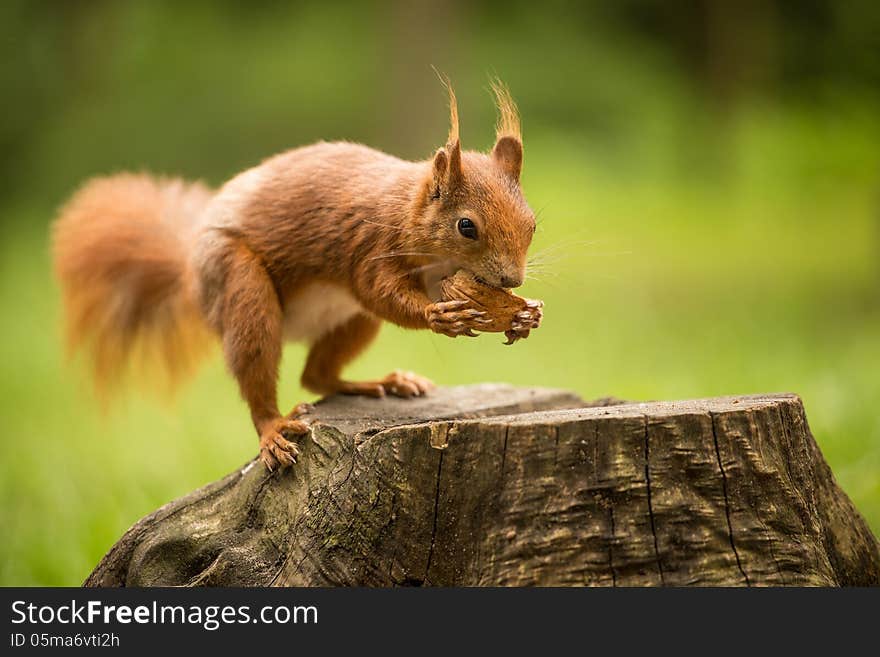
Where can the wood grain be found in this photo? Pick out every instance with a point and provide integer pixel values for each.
(498, 486)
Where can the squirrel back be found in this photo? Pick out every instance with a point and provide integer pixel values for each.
(120, 253)
(319, 244)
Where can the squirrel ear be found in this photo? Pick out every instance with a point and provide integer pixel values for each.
(447, 169)
(508, 154)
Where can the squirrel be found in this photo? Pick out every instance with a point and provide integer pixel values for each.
(319, 244)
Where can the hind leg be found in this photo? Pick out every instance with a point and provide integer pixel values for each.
(333, 350)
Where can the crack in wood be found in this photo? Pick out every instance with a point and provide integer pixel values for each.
(651, 506)
(804, 507)
(434, 523)
(727, 501)
(753, 427)
(555, 447)
(504, 451)
(611, 544)
(366, 517)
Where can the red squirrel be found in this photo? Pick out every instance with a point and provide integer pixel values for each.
(318, 244)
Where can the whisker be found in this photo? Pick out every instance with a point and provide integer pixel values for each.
(542, 264)
(566, 256)
(538, 218)
(541, 272)
(416, 270)
(558, 252)
(542, 281)
(397, 254)
(552, 248)
(376, 223)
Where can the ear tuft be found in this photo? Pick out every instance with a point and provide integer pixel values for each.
(508, 116)
(508, 155)
(447, 160)
(453, 107)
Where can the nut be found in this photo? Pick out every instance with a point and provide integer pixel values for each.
(505, 312)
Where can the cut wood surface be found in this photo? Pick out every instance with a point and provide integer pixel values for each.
(496, 485)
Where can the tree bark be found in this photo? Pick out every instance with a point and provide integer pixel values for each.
(495, 485)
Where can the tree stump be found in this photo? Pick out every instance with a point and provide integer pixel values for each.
(492, 485)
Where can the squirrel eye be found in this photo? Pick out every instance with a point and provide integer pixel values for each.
(467, 228)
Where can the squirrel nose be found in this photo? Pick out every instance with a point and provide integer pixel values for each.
(509, 281)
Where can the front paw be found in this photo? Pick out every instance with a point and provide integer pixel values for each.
(453, 318)
(276, 451)
(524, 321)
(530, 318)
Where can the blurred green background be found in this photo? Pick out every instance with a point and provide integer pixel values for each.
(707, 175)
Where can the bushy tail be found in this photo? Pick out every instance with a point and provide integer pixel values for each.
(120, 249)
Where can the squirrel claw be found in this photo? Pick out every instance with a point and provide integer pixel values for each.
(398, 383)
(452, 319)
(513, 335)
(406, 384)
(276, 450)
(299, 410)
(444, 306)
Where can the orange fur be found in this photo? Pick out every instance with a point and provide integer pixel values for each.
(508, 115)
(320, 244)
(121, 254)
(453, 137)
(336, 348)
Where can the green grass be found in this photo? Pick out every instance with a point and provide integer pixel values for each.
(661, 287)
